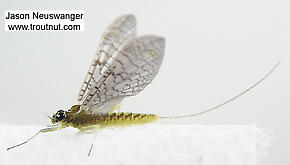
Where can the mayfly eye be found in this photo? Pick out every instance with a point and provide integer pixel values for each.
(60, 115)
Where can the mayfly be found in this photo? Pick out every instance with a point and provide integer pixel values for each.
(123, 66)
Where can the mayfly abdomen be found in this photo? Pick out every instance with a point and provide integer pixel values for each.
(111, 119)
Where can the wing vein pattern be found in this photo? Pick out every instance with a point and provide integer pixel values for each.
(123, 66)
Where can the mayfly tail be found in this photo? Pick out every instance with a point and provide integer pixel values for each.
(40, 131)
(233, 98)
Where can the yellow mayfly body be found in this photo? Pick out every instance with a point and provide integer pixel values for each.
(123, 66)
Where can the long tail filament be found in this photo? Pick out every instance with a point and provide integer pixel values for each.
(233, 98)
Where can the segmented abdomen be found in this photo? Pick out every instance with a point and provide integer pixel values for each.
(111, 119)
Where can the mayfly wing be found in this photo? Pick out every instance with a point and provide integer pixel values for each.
(117, 35)
(129, 72)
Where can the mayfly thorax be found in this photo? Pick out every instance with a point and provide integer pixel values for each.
(123, 66)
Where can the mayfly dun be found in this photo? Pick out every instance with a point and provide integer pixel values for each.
(123, 66)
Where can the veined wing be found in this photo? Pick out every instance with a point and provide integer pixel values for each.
(117, 35)
(129, 72)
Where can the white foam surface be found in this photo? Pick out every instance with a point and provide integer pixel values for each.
(147, 144)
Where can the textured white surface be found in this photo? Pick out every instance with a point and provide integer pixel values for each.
(148, 144)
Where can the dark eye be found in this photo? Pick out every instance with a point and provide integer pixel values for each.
(60, 115)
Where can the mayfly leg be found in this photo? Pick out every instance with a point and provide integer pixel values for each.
(49, 129)
(94, 131)
(94, 138)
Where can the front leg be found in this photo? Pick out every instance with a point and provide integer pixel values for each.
(49, 129)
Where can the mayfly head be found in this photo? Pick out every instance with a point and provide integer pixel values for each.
(58, 116)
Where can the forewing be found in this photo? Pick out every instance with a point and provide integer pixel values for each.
(129, 72)
(117, 35)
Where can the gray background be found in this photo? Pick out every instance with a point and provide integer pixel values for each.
(214, 50)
